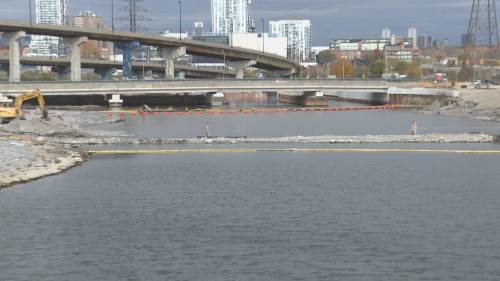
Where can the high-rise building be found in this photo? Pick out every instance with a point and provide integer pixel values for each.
(90, 20)
(386, 33)
(298, 34)
(412, 33)
(87, 20)
(424, 42)
(232, 16)
(49, 12)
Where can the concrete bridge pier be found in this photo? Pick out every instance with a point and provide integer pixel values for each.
(14, 55)
(308, 98)
(75, 56)
(116, 101)
(240, 67)
(170, 54)
(215, 98)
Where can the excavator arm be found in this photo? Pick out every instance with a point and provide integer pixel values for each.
(15, 112)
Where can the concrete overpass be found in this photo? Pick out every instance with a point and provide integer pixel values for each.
(211, 91)
(103, 67)
(195, 86)
(171, 48)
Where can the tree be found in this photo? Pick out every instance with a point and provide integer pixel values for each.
(401, 67)
(342, 69)
(414, 71)
(326, 56)
(90, 50)
(377, 68)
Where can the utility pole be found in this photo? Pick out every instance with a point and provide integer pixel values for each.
(180, 19)
(112, 15)
(31, 13)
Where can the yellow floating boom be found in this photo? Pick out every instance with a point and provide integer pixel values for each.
(299, 150)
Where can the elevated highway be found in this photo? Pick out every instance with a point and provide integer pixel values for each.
(172, 48)
(186, 70)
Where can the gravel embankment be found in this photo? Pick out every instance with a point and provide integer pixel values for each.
(23, 161)
(367, 139)
(28, 150)
(480, 104)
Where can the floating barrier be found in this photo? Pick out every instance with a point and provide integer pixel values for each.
(295, 150)
(222, 112)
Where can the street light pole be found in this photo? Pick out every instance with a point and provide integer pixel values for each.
(180, 19)
(112, 15)
(31, 14)
(263, 36)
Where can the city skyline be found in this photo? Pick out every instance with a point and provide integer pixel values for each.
(339, 19)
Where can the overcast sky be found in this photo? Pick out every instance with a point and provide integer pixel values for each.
(330, 18)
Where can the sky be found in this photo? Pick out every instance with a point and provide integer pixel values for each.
(330, 18)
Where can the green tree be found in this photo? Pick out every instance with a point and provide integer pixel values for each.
(326, 56)
(401, 67)
(376, 69)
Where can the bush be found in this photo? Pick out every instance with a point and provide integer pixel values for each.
(38, 76)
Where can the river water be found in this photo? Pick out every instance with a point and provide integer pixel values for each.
(262, 216)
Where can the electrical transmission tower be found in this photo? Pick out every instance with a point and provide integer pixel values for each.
(481, 40)
(133, 16)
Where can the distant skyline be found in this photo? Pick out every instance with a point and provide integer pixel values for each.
(330, 18)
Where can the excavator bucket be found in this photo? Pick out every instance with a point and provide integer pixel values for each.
(45, 114)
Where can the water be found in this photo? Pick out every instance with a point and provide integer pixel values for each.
(302, 123)
(260, 216)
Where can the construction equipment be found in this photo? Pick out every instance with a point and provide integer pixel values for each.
(9, 113)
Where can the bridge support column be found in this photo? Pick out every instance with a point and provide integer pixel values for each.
(115, 101)
(127, 49)
(14, 56)
(215, 99)
(75, 56)
(170, 54)
(240, 66)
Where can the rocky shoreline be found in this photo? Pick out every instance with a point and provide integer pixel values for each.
(479, 104)
(332, 139)
(26, 161)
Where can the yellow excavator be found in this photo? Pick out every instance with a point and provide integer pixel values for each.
(9, 113)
